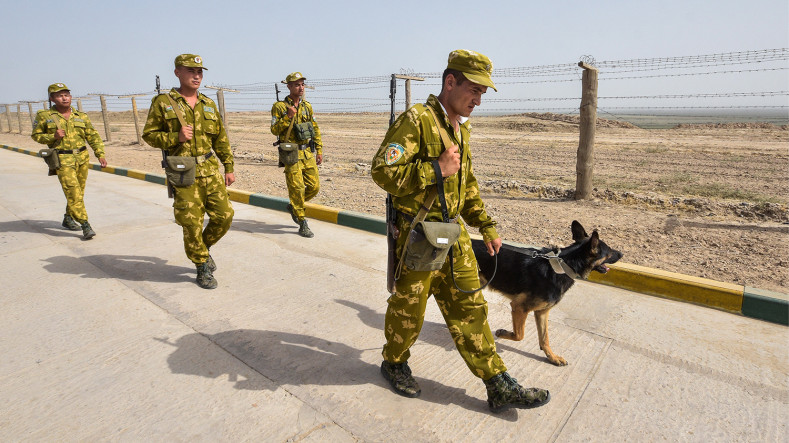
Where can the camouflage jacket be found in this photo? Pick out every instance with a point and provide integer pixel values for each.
(162, 127)
(403, 167)
(280, 122)
(79, 132)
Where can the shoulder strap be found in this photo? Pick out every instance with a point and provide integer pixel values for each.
(176, 108)
(441, 130)
(295, 116)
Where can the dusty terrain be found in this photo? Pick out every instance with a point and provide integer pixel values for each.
(702, 200)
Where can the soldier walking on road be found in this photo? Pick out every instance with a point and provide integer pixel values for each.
(427, 149)
(293, 122)
(66, 130)
(196, 143)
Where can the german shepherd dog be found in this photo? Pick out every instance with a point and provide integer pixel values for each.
(527, 278)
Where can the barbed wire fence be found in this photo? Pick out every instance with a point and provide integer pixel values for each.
(757, 93)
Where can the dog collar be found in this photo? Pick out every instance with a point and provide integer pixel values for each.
(560, 267)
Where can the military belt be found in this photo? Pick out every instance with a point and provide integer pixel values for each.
(71, 151)
(202, 158)
(410, 218)
(304, 146)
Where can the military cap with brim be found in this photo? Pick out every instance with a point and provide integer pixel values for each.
(475, 66)
(294, 77)
(190, 61)
(57, 87)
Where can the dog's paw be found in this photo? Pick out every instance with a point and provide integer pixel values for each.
(503, 333)
(558, 361)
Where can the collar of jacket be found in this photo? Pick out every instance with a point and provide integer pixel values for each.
(200, 97)
(433, 102)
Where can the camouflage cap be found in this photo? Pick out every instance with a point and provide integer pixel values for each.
(475, 66)
(56, 87)
(294, 77)
(190, 61)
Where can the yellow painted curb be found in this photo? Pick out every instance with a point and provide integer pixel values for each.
(672, 285)
(239, 196)
(135, 174)
(320, 212)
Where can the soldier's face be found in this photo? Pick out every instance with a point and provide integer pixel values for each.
(61, 99)
(189, 77)
(464, 97)
(296, 88)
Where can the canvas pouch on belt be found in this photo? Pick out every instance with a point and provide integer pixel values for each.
(428, 245)
(180, 171)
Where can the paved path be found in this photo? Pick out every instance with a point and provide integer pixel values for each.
(110, 339)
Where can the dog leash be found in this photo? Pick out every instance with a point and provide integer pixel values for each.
(557, 263)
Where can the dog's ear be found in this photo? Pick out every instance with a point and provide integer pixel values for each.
(594, 242)
(579, 233)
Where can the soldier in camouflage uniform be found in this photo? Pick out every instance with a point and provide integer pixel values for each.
(302, 177)
(204, 138)
(404, 167)
(67, 130)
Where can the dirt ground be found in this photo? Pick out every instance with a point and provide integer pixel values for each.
(702, 200)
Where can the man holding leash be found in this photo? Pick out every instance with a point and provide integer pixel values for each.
(293, 122)
(187, 126)
(426, 146)
(66, 130)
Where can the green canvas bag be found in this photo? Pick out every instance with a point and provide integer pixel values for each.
(288, 153)
(50, 157)
(180, 171)
(428, 245)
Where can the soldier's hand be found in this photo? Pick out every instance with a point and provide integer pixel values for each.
(449, 161)
(291, 111)
(318, 158)
(493, 246)
(60, 133)
(103, 162)
(230, 178)
(186, 133)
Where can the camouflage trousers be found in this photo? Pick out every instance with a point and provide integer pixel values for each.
(303, 182)
(206, 195)
(72, 179)
(466, 315)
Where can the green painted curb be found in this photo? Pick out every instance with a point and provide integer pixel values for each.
(766, 305)
(756, 303)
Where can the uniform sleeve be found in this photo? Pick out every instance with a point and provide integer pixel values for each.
(396, 167)
(473, 211)
(156, 132)
(93, 138)
(221, 146)
(279, 119)
(40, 133)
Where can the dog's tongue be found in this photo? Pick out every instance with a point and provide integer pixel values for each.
(605, 268)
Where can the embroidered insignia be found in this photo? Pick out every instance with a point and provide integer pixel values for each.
(60, 85)
(168, 108)
(208, 109)
(394, 152)
(273, 120)
(198, 60)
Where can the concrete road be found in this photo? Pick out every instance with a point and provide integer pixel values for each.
(111, 340)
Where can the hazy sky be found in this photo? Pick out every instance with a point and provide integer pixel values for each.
(117, 47)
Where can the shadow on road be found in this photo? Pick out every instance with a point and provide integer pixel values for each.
(122, 267)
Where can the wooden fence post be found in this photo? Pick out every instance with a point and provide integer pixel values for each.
(19, 116)
(79, 104)
(8, 116)
(106, 118)
(585, 158)
(135, 114)
(32, 116)
(408, 79)
(220, 100)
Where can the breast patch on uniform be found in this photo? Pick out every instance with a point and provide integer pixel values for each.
(394, 152)
(208, 109)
